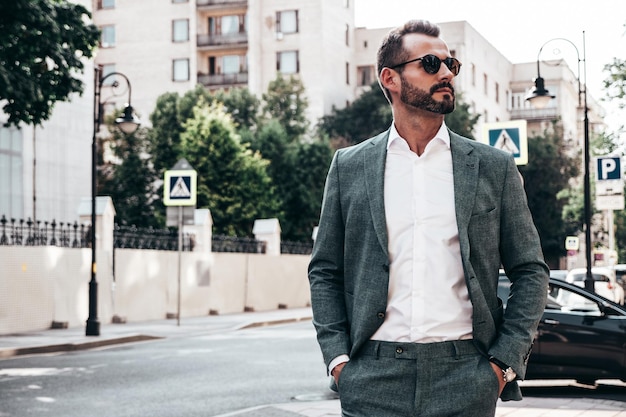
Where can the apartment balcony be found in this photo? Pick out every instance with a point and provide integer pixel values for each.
(223, 80)
(220, 4)
(222, 41)
(550, 113)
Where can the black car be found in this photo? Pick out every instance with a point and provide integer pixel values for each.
(581, 335)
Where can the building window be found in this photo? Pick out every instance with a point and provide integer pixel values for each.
(107, 37)
(486, 84)
(11, 177)
(287, 62)
(348, 73)
(227, 25)
(106, 4)
(473, 75)
(346, 3)
(180, 1)
(180, 30)
(287, 21)
(230, 25)
(347, 35)
(231, 64)
(180, 70)
(497, 93)
(365, 75)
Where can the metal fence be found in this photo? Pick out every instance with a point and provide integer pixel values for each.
(29, 233)
(72, 235)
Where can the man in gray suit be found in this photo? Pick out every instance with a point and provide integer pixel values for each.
(415, 224)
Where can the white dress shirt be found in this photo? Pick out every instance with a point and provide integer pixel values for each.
(428, 299)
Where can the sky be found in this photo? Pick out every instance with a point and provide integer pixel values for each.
(519, 29)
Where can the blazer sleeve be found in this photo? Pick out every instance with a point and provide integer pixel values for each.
(326, 272)
(522, 259)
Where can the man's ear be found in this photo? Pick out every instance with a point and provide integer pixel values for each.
(390, 79)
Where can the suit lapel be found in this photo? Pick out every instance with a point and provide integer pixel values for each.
(374, 174)
(465, 170)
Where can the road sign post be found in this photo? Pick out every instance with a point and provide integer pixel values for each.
(180, 192)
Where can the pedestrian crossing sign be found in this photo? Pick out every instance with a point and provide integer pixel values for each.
(508, 136)
(179, 188)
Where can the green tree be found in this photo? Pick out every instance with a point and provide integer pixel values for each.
(461, 120)
(298, 169)
(42, 44)
(232, 180)
(243, 106)
(615, 82)
(371, 114)
(303, 193)
(164, 136)
(549, 169)
(285, 101)
(365, 117)
(129, 181)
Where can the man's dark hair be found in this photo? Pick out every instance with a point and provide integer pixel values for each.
(391, 51)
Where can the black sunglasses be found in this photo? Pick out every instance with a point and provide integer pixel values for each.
(432, 63)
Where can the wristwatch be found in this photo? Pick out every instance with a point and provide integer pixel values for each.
(508, 374)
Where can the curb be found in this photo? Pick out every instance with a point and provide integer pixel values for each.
(68, 347)
(6, 353)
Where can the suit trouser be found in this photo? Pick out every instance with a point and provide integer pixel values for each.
(392, 379)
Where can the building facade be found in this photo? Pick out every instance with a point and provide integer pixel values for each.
(173, 45)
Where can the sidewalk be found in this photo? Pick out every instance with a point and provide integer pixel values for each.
(62, 340)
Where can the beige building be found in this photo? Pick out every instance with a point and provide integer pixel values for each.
(174, 45)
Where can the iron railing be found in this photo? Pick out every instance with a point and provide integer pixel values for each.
(223, 243)
(132, 237)
(72, 235)
(30, 233)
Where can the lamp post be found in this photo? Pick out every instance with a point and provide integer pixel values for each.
(539, 97)
(128, 124)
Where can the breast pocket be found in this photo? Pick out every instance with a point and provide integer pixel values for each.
(484, 229)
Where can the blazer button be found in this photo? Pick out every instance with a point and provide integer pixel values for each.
(381, 315)
(386, 268)
(399, 350)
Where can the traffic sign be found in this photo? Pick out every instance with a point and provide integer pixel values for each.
(572, 243)
(608, 168)
(180, 185)
(508, 136)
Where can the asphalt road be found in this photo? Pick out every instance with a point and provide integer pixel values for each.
(186, 376)
(199, 375)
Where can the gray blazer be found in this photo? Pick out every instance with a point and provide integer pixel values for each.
(349, 268)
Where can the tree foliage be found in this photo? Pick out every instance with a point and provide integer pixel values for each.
(129, 182)
(42, 44)
(615, 83)
(232, 180)
(365, 117)
(550, 167)
(462, 120)
(286, 101)
(371, 114)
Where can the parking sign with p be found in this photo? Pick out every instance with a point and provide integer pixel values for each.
(608, 168)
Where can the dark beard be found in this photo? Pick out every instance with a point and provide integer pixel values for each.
(422, 99)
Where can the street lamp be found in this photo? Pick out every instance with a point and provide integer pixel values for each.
(540, 97)
(128, 124)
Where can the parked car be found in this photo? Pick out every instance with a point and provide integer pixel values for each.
(581, 335)
(620, 275)
(605, 282)
(558, 273)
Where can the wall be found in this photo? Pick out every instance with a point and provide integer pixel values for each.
(39, 285)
